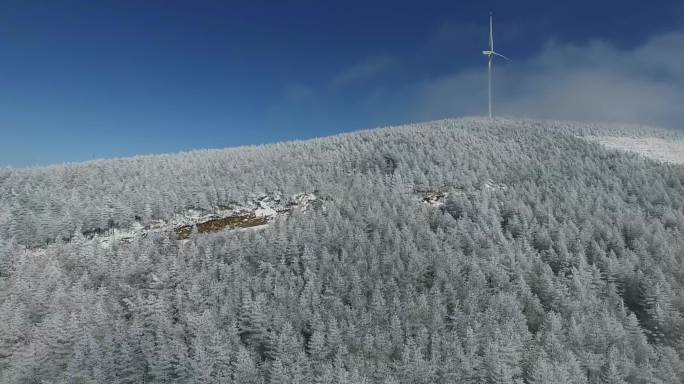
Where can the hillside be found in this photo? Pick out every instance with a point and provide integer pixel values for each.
(467, 250)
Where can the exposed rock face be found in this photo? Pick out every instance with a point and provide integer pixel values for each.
(258, 211)
(434, 199)
(217, 225)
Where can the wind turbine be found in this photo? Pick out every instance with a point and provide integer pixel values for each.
(490, 58)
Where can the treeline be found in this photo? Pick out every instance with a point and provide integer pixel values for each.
(552, 261)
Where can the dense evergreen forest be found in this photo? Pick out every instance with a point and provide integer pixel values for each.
(552, 260)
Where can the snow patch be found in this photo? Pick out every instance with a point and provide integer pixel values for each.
(671, 151)
(492, 186)
(265, 210)
(437, 197)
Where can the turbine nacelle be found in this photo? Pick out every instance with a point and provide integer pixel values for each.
(492, 53)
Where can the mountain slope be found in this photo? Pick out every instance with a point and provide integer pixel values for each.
(551, 259)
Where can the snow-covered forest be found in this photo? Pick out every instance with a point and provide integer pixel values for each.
(551, 260)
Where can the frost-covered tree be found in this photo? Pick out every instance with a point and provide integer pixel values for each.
(551, 260)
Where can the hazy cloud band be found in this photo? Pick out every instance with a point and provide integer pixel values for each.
(594, 81)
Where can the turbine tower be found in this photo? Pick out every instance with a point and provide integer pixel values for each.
(490, 57)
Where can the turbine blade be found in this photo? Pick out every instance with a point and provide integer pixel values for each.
(491, 33)
(500, 55)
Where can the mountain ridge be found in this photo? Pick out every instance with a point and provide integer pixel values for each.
(582, 128)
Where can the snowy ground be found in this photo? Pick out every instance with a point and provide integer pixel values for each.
(437, 197)
(653, 147)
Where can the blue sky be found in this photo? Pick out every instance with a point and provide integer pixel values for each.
(81, 80)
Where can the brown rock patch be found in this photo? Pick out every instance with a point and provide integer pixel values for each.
(217, 225)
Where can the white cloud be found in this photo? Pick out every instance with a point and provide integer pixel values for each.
(363, 70)
(593, 81)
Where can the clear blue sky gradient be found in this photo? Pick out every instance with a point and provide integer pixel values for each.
(81, 80)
